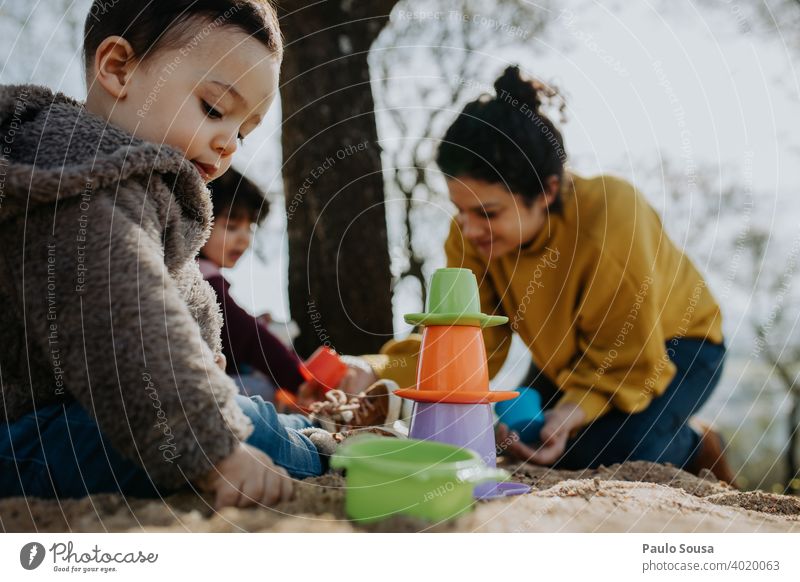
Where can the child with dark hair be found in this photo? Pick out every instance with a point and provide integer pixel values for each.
(110, 335)
(625, 336)
(255, 357)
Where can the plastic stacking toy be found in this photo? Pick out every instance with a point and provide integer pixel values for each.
(429, 480)
(523, 415)
(324, 368)
(452, 396)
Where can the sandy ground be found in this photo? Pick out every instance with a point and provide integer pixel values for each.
(637, 496)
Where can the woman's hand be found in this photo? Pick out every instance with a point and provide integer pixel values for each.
(247, 477)
(559, 423)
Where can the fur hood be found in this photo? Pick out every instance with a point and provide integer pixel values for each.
(64, 150)
(103, 299)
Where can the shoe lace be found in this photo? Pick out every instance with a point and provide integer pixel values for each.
(337, 403)
(366, 406)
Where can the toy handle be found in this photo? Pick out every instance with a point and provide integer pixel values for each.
(482, 475)
(338, 462)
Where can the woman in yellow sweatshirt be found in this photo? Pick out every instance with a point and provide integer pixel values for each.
(623, 331)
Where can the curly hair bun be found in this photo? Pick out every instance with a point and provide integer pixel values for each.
(511, 83)
(507, 139)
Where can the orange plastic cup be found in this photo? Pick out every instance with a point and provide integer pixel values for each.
(325, 368)
(453, 358)
(453, 368)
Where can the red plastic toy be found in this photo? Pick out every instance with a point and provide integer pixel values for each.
(324, 368)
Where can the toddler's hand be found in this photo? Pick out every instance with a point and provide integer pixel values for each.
(220, 361)
(247, 477)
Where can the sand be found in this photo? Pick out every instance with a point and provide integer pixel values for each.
(635, 496)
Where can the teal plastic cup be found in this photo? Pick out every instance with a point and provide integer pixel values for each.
(523, 415)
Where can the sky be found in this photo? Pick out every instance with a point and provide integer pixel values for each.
(687, 75)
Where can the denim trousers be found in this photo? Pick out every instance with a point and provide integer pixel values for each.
(659, 433)
(59, 451)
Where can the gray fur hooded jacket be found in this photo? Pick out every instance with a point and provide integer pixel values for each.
(101, 299)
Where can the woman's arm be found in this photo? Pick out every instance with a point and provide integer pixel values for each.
(622, 359)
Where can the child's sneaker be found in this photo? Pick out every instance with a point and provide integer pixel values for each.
(377, 406)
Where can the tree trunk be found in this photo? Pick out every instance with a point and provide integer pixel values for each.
(793, 419)
(339, 276)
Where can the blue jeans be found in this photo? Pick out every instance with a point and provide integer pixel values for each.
(254, 383)
(660, 432)
(59, 451)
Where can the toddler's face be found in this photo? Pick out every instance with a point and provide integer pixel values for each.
(230, 238)
(202, 98)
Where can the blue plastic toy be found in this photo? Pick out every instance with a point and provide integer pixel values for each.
(523, 415)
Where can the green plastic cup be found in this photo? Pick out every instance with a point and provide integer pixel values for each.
(453, 291)
(453, 300)
(425, 479)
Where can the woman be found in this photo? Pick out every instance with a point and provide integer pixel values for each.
(625, 335)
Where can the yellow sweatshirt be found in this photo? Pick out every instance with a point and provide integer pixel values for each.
(595, 297)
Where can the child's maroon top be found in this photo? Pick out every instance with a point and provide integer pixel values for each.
(247, 341)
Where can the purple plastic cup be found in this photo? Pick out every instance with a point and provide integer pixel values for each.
(468, 426)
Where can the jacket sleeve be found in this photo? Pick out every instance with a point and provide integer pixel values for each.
(202, 302)
(245, 340)
(132, 354)
(622, 359)
(397, 361)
